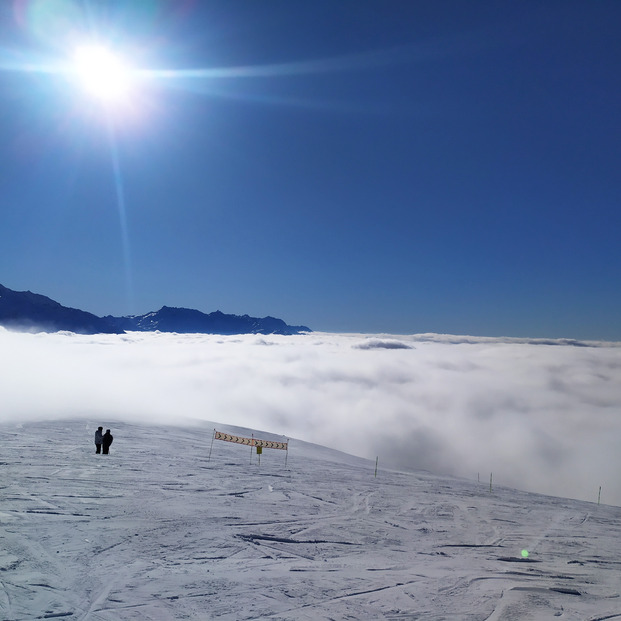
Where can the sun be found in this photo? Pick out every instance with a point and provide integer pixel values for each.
(102, 74)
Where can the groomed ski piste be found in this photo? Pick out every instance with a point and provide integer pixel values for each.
(159, 529)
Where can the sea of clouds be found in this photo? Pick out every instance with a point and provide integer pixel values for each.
(541, 415)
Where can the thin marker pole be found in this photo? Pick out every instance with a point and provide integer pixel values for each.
(376, 460)
(490, 482)
(213, 437)
(599, 496)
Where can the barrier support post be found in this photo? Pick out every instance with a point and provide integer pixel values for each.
(212, 439)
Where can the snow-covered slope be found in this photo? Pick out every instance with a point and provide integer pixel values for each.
(159, 530)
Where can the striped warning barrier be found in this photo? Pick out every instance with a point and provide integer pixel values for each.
(227, 437)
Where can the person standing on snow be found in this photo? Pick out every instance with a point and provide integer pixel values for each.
(107, 441)
(98, 440)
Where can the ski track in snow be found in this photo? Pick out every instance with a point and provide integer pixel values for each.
(158, 531)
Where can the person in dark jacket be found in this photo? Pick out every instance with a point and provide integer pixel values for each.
(106, 441)
(98, 439)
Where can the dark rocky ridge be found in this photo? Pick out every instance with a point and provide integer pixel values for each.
(187, 320)
(32, 312)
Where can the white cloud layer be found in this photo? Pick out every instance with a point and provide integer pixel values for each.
(541, 415)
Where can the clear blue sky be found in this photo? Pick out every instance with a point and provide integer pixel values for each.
(378, 166)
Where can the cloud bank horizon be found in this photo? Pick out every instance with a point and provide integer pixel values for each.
(541, 415)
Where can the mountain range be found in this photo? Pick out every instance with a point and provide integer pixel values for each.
(33, 312)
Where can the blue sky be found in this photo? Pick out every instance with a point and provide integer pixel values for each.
(395, 166)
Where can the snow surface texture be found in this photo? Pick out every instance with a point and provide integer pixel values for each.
(542, 415)
(158, 530)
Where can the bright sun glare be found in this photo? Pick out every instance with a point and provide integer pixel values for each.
(102, 74)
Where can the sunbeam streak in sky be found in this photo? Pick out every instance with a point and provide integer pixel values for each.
(108, 82)
(97, 67)
(120, 203)
(404, 54)
(102, 74)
